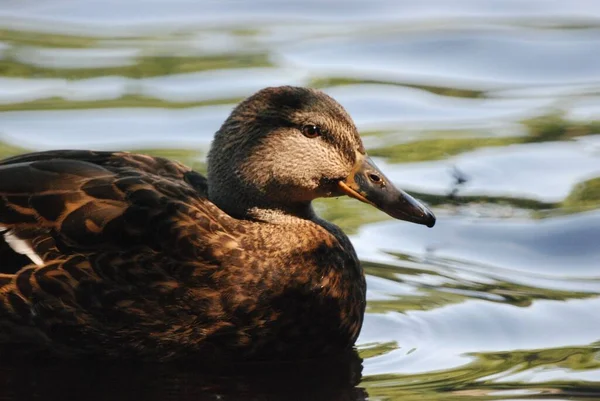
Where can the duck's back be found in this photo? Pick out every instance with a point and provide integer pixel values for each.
(58, 203)
(116, 254)
(96, 245)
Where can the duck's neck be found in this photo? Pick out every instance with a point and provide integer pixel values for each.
(239, 205)
(282, 215)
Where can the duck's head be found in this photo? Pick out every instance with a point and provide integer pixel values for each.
(284, 147)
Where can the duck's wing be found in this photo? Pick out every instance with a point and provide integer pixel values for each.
(121, 161)
(55, 204)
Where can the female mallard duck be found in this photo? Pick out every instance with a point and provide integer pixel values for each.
(127, 255)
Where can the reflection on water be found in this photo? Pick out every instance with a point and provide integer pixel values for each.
(487, 110)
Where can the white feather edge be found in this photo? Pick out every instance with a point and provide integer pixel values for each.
(20, 246)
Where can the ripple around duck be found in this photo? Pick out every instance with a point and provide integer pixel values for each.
(494, 374)
(559, 247)
(446, 337)
(488, 307)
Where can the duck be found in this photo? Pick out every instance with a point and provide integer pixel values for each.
(122, 255)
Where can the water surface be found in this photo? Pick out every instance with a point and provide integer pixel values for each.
(486, 110)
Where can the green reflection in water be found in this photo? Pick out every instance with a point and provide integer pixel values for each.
(56, 103)
(522, 203)
(348, 213)
(436, 149)
(143, 67)
(438, 90)
(373, 350)
(549, 127)
(451, 287)
(586, 195)
(189, 157)
(488, 376)
(26, 38)
(7, 150)
(555, 127)
(54, 40)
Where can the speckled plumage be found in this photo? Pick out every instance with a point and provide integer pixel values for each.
(141, 257)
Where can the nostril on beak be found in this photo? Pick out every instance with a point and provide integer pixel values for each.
(374, 178)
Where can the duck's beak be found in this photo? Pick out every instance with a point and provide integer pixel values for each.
(368, 184)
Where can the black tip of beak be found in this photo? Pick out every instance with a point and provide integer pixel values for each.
(430, 221)
(408, 208)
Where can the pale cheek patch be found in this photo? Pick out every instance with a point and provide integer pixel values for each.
(20, 246)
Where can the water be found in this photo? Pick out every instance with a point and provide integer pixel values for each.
(487, 110)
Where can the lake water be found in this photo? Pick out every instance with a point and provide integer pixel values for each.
(487, 110)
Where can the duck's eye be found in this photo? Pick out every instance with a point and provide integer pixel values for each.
(311, 131)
